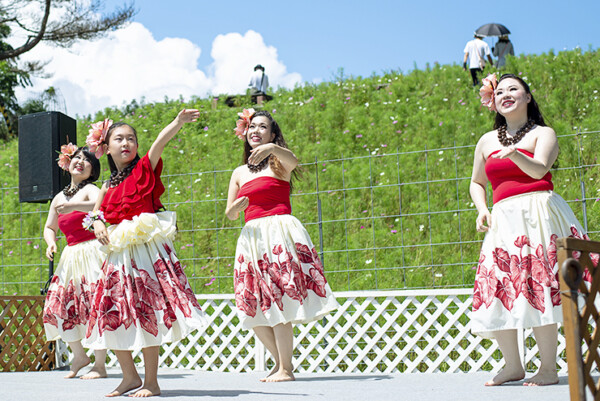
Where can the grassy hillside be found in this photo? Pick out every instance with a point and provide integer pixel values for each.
(393, 189)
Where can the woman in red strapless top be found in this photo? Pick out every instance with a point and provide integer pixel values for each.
(143, 298)
(516, 283)
(68, 301)
(278, 276)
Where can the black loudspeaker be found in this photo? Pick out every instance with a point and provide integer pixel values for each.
(40, 137)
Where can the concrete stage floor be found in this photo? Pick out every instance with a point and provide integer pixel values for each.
(179, 384)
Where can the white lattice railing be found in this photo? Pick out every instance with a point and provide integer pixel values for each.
(372, 331)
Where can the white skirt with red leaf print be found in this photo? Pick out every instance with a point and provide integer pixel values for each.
(69, 297)
(278, 275)
(142, 297)
(516, 283)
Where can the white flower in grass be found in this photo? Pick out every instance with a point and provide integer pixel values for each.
(368, 261)
(421, 227)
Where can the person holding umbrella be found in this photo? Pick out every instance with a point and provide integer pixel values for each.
(475, 51)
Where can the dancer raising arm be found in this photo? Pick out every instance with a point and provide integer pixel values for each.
(516, 283)
(143, 298)
(278, 276)
(69, 297)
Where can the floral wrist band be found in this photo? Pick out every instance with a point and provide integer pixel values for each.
(91, 217)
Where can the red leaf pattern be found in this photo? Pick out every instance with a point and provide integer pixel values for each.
(266, 285)
(527, 273)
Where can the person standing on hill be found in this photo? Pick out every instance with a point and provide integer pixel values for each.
(278, 275)
(69, 298)
(516, 283)
(476, 50)
(259, 84)
(503, 48)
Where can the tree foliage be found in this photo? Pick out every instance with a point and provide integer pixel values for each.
(59, 22)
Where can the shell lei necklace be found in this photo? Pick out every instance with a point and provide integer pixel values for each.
(506, 140)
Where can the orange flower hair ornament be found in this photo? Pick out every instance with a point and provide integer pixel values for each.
(243, 122)
(96, 137)
(487, 91)
(65, 155)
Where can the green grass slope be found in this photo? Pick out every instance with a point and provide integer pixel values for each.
(386, 157)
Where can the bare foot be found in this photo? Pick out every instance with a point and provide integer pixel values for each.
(146, 392)
(125, 386)
(78, 363)
(95, 373)
(542, 379)
(506, 376)
(281, 376)
(273, 371)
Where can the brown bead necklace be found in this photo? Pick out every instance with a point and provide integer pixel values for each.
(260, 166)
(117, 177)
(69, 191)
(506, 140)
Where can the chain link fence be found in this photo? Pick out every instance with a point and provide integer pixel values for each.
(386, 220)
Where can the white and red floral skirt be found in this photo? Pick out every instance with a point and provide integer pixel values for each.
(142, 297)
(69, 297)
(278, 276)
(516, 284)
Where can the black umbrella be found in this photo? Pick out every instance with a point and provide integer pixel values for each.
(492, 30)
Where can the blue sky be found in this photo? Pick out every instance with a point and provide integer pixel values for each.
(315, 38)
(204, 48)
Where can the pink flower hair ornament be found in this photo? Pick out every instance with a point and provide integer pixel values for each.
(487, 91)
(243, 122)
(65, 155)
(96, 137)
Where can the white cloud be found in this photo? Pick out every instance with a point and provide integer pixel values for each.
(234, 58)
(130, 63)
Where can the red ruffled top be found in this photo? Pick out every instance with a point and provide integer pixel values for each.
(139, 193)
(508, 179)
(71, 225)
(268, 196)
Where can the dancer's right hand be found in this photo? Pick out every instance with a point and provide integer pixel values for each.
(50, 251)
(484, 221)
(101, 233)
(240, 204)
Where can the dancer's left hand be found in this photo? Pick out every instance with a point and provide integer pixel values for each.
(188, 115)
(260, 153)
(505, 153)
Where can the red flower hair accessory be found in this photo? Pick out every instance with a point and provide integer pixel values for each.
(487, 91)
(96, 136)
(65, 155)
(243, 122)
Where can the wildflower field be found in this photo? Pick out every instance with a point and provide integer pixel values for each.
(386, 161)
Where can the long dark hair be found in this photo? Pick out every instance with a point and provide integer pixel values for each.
(533, 110)
(111, 162)
(95, 174)
(278, 140)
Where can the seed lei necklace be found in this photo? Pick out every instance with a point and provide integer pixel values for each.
(506, 140)
(69, 191)
(117, 177)
(255, 168)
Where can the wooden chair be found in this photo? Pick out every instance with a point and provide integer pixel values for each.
(573, 258)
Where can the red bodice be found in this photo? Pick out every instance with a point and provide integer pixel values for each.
(268, 196)
(508, 179)
(139, 193)
(71, 226)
